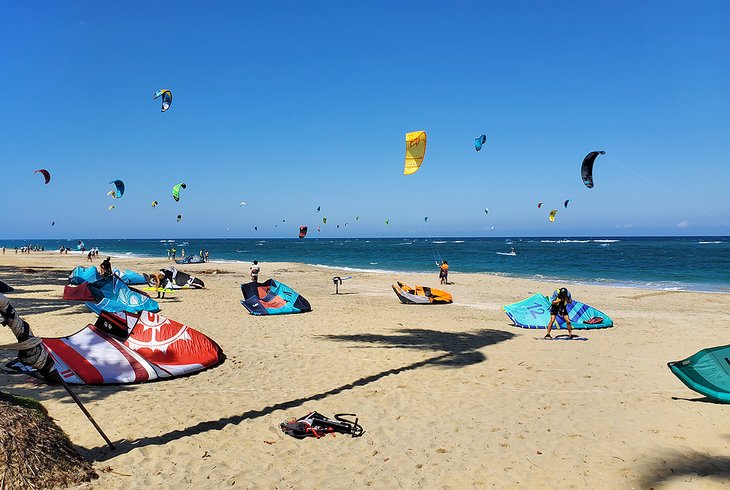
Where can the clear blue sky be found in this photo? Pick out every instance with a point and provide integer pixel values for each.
(294, 105)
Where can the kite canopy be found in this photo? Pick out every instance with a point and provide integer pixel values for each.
(191, 259)
(179, 280)
(302, 232)
(324, 220)
(415, 151)
(179, 218)
(243, 203)
(479, 142)
(421, 295)
(166, 98)
(534, 312)
(539, 205)
(154, 204)
(552, 215)
(81, 274)
(118, 189)
(176, 190)
(113, 295)
(112, 207)
(129, 276)
(707, 372)
(272, 298)
(123, 348)
(565, 204)
(586, 169)
(46, 174)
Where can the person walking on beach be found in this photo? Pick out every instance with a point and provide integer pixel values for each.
(255, 269)
(89, 257)
(559, 306)
(444, 272)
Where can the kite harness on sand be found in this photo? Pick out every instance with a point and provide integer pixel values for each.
(315, 424)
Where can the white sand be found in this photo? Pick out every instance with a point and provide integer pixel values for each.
(451, 396)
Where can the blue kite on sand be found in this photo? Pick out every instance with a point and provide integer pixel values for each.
(706, 372)
(114, 296)
(534, 312)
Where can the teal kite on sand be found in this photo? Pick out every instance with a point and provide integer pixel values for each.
(706, 372)
(534, 312)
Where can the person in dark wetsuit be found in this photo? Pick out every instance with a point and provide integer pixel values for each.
(106, 267)
(559, 306)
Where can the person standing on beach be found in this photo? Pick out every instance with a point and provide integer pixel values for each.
(206, 256)
(182, 254)
(255, 269)
(559, 306)
(444, 272)
(106, 267)
(174, 253)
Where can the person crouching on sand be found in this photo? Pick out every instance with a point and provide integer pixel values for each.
(559, 306)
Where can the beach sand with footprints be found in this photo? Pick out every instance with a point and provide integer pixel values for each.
(450, 396)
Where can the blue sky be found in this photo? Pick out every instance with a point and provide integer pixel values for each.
(294, 105)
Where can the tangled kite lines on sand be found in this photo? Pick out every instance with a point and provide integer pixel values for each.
(36, 452)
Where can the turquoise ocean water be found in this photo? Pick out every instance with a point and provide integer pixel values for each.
(666, 263)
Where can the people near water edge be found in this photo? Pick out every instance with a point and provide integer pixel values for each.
(255, 269)
(444, 272)
(559, 306)
(106, 267)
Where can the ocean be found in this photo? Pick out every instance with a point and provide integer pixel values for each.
(662, 263)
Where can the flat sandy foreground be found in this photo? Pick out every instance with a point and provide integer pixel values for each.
(450, 396)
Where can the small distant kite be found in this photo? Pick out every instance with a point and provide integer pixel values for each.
(318, 208)
(154, 204)
(283, 221)
(539, 205)
(387, 221)
(565, 204)
(53, 224)
(586, 170)
(118, 189)
(112, 207)
(425, 220)
(486, 211)
(166, 98)
(318, 229)
(302, 232)
(338, 227)
(415, 151)
(255, 228)
(552, 215)
(479, 142)
(176, 190)
(46, 174)
(357, 218)
(179, 217)
(243, 203)
(492, 228)
(324, 220)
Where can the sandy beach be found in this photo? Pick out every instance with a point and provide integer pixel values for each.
(450, 396)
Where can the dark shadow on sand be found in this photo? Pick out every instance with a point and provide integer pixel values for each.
(662, 469)
(458, 350)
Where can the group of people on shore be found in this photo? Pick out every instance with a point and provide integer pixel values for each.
(94, 252)
(172, 254)
(26, 249)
